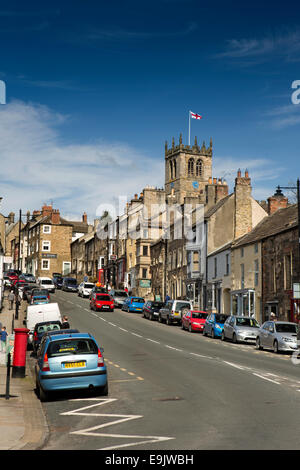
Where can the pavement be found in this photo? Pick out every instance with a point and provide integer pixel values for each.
(23, 425)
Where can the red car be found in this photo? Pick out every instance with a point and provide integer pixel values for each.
(101, 302)
(194, 320)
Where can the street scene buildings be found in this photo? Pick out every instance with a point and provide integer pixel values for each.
(194, 239)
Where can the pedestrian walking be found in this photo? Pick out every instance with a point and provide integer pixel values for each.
(11, 298)
(167, 298)
(65, 323)
(3, 339)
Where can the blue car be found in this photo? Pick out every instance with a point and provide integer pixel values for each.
(69, 361)
(133, 304)
(214, 325)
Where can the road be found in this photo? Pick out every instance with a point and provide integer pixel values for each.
(170, 390)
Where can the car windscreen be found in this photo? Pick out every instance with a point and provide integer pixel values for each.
(39, 292)
(286, 328)
(120, 293)
(250, 322)
(200, 315)
(157, 304)
(71, 347)
(45, 328)
(71, 282)
(221, 318)
(88, 286)
(138, 300)
(46, 281)
(180, 305)
(102, 297)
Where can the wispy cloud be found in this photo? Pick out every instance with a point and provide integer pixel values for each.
(37, 167)
(283, 116)
(286, 46)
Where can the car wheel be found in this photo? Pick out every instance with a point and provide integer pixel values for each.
(182, 326)
(275, 347)
(151, 317)
(43, 396)
(168, 322)
(212, 333)
(204, 332)
(234, 338)
(160, 320)
(190, 328)
(223, 336)
(104, 390)
(257, 344)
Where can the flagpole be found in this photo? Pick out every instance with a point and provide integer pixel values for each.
(189, 127)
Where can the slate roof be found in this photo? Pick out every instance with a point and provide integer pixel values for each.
(280, 221)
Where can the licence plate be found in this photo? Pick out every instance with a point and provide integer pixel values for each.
(176, 313)
(72, 365)
(138, 309)
(105, 306)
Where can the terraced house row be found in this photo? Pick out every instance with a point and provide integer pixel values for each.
(192, 239)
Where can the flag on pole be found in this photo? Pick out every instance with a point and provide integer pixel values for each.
(195, 115)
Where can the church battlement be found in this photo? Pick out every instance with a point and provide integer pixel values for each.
(191, 149)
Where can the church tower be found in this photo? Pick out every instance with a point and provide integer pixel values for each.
(188, 170)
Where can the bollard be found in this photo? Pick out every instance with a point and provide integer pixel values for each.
(7, 377)
(20, 348)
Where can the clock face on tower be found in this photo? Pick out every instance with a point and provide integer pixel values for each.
(195, 184)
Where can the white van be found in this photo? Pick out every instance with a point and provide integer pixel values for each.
(46, 283)
(40, 313)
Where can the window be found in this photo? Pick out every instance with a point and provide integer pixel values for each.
(46, 246)
(227, 265)
(288, 271)
(144, 273)
(256, 272)
(46, 228)
(46, 264)
(191, 167)
(199, 168)
(256, 248)
(174, 166)
(171, 170)
(216, 267)
(66, 267)
(242, 252)
(242, 276)
(145, 250)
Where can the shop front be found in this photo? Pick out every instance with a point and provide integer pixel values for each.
(243, 302)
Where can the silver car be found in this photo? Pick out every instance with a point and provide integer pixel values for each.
(119, 297)
(277, 335)
(240, 329)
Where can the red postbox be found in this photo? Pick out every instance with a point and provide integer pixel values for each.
(20, 348)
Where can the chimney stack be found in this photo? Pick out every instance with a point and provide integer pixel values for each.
(243, 204)
(84, 218)
(55, 216)
(46, 210)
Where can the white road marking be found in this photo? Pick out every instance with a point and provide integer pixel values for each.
(234, 365)
(171, 347)
(266, 378)
(112, 323)
(152, 340)
(135, 334)
(123, 329)
(92, 431)
(200, 355)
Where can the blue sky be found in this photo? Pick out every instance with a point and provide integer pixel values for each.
(95, 88)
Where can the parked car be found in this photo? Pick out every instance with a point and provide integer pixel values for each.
(36, 293)
(133, 304)
(214, 325)
(99, 290)
(193, 320)
(119, 297)
(173, 310)
(240, 329)
(47, 283)
(27, 277)
(102, 302)
(40, 329)
(85, 288)
(69, 284)
(27, 291)
(6, 282)
(58, 282)
(151, 309)
(40, 313)
(280, 336)
(70, 361)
